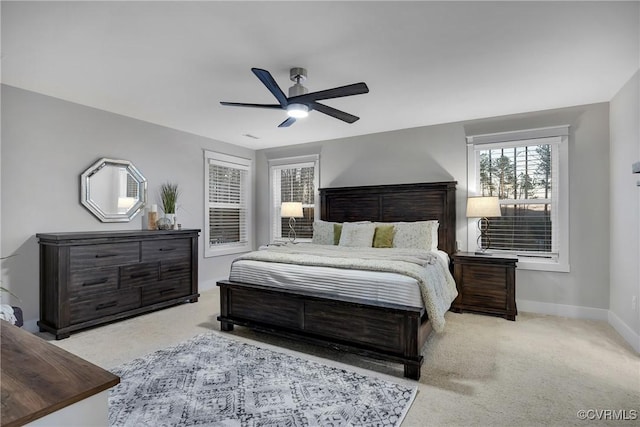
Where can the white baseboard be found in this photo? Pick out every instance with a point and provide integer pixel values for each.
(564, 310)
(578, 312)
(625, 331)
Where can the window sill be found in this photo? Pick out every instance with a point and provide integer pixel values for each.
(528, 264)
(535, 264)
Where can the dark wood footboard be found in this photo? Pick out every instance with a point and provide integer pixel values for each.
(385, 331)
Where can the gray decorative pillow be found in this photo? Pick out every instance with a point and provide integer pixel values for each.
(357, 235)
(416, 235)
(322, 233)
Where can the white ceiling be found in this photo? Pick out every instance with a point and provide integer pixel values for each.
(425, 63)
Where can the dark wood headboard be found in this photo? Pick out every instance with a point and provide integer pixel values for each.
(393, 203)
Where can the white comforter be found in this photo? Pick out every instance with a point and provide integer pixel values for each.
(437, 286)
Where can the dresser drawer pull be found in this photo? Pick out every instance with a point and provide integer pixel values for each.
(105, 255)
(96, 282)
(174, 269)
(166, 249)
(167, 291)
(106, 305)
(139, 275)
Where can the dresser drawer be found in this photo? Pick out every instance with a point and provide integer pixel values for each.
(90, 256)
(84, 309)
(166, 249)
(177, 269)
(138, 274)
(165, 290)
(97, 280)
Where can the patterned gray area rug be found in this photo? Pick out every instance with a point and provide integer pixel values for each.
(211, 380)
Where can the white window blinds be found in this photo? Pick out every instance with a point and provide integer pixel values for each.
(227, 204)
(522, 176)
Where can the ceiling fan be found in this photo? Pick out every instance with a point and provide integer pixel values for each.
(300, 102)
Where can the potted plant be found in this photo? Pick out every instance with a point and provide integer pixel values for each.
(169, 195)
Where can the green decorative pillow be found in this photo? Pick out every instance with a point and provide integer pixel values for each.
(383, 237)
(337, 232)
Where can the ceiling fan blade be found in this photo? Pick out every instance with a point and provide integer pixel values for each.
(336, 92)
(330, 111)
(287, 123)
(266, 78)
(242, 104)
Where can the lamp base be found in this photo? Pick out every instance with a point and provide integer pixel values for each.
(292, 231)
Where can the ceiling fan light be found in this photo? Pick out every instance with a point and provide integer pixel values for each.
(297, 111)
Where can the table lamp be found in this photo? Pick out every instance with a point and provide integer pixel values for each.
(292, 210)
(483, 207)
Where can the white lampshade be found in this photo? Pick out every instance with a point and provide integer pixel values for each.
(291, 210)
(481, 207)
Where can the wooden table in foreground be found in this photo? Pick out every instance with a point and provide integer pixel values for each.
(39, 379)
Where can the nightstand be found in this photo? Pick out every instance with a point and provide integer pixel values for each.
(486, 284)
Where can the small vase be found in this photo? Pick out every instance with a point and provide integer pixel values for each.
(171, 217)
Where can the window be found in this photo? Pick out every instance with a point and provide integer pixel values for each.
(293, 180)
(528, 172)
(227, 204)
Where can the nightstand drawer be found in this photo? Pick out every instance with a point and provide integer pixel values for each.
(480, 275)
(484, 298)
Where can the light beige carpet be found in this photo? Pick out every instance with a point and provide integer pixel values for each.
(482, 371)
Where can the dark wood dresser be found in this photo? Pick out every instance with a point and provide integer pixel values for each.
(486, 284)
(91, 278)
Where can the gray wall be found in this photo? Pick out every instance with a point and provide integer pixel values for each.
(624, 205)
(437, 153)
(47, 143)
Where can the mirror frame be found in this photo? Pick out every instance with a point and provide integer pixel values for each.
(94, 208)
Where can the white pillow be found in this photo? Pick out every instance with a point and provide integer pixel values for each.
(416, 235)
(357, 235)
(322, 233)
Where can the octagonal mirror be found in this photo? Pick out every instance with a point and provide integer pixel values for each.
(113, 190)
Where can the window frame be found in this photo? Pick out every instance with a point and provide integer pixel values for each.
(558, 137)
(233, 162)
(274, 208)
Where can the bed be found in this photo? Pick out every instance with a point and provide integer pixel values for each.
(385, 330)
